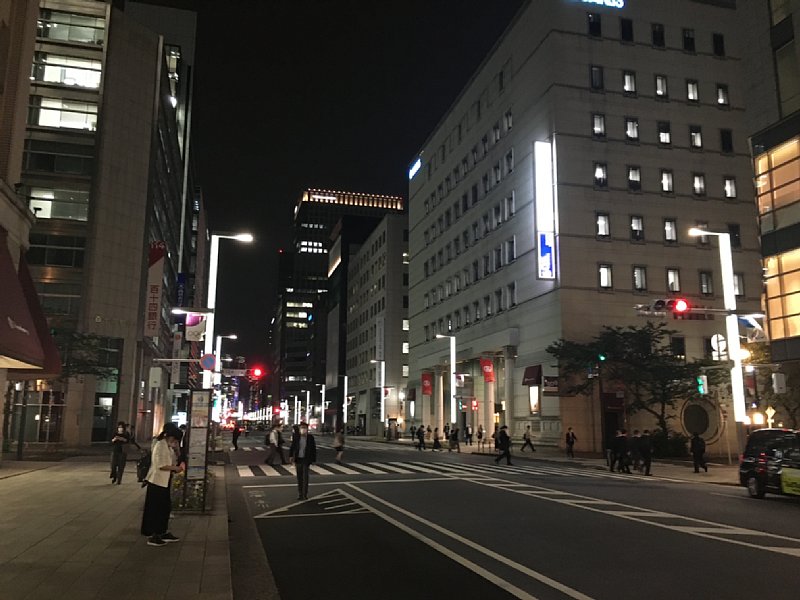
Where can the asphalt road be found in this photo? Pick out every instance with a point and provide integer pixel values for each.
(397, 523)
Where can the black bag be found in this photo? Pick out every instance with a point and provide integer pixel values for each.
(143, 466)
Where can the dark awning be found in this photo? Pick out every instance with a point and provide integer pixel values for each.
(19, 344)
(412, 395)
(533, 375)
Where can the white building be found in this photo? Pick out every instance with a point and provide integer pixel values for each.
(557, 192)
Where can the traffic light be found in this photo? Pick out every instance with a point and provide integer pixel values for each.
(679, 306)
(474, 405)
(702, 384)
(256, 373)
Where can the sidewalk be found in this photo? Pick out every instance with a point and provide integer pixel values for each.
(66, 532)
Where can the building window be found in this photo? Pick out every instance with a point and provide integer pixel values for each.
(738, 284)
(405, 347)
(498, 300)
(637, 228)
(702, 240)
(626, 30)
(405, 370)
(56, 250)
(496, 133)
(662, 90)
(595, 25)
(639, 279)
(487, 306)
(735, 233)
(510, 206)
(699, 184)
(631, 129)
(629, 82)
(666, 181)
(427, 333)
(722, 95)
(604, 276)
(658, 37)
(596, 77)
(718, 43)
(726, 141)
(509, 119)
(673, 280)
(664, 133)
(406, 325)
(677, 347)
(465, 311)
(510, 161)
(670, 230)
(692, 90)
(695, 136)
(688, 40)
(730, 187)
(498, 258)
(600, 175)
(63, 113)
(598, 125)
(603, 225)
(511, 294)
(487, 265)
(511, 250)
(476, 308)
(706, 283)
(634, 178)
(55, 203)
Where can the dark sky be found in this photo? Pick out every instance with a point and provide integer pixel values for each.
(336, 94)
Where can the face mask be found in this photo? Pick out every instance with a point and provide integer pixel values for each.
(303, 431)
(120, 429)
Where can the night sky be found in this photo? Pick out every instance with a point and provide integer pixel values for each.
(335, 94)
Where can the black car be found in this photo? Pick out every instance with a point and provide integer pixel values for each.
(771, 463)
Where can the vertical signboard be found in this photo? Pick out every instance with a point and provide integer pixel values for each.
(199, 421)
(155, 278)
(427, 384)
(545, 210)
(380, 335)
(487, 367)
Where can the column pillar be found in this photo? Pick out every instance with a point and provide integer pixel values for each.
(510, 360)
(438, 402)
(487, 407)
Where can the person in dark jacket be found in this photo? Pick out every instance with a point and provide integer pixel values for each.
(634, 452)
(503, 445)
(621, 451)
(421, 438)
(303, 453)
(236, 433)
(570, 440)
(119, 454)
(698, 449)
(646, 451)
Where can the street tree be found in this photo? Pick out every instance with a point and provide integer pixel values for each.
(786, 404)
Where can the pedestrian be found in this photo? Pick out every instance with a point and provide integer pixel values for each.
(623, 460)
(338, 444)
(157, 500)
(496, 438)
(447, 431)
(236, 433)
(303, 453)
(413, 432)
(503, 445)
(611, 451)
(119, 452)
(275, 446)
(468, 435)
(428, 433)
(570, 441)
(528, 440)
(454, 443)
(646, 450)
(481, 440)
(437, 445)
(421, 438)
(634, 445)
(698, 448)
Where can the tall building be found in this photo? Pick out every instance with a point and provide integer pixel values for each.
(557, 193)
(103, 168)
(301, 316)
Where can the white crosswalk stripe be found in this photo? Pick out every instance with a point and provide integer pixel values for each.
(392, 468)
(367, 468)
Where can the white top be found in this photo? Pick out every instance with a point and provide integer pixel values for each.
(162, 455)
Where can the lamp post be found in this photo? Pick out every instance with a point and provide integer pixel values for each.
(382, 382)
(731, 320)
(218, 363)
(211, 300)
(453, 416)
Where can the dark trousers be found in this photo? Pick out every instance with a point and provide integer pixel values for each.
(699, 462)
(421, 443)
(236, 442)
(303, 470)
(507, 454)
(526, 444)
(646, 461)
(157, 506)
(571, 450)
(118, 465)
(273, 450)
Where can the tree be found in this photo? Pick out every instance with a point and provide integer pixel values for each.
(84, 354)
(787, 405)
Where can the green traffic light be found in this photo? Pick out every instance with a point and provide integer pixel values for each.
(601, 356)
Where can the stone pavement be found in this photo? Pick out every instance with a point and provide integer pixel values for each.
(66, 532)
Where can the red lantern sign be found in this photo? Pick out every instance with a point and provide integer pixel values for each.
(427, 384)
(487, 366)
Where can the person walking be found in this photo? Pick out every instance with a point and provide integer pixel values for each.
(503, 445)
(496, 438)
(698, 449)
(634, 450)
(303, 453)
(611, 451)
(236, 433)
(468, 435)
(528, 440)
(275, 446)
(454, 443)
(157, 501)
(437, 445)
(421, 438)
(621, 451)
(570, 441)
(481, 440)
(338, 444)
(646, 451)
(119, 452)
(413, 432)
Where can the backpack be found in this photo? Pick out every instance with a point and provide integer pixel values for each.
(143, 466)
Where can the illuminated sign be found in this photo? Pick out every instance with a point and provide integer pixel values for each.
(414, 168)
(545, 210)
(608, 3)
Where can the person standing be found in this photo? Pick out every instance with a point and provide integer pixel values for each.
(468, 435)
(421, 438)
(528, 440)
(157, 501)
(634, 450)
(503, 443)
(338, 444)
(275, 446)
(119, 454)
(698, 449)
(303, 453)
(570, 440)
(454, 443)
(413, 432)
(496, 439)
(236, 433)
(481, 436)
(646, 451)
(437, 445)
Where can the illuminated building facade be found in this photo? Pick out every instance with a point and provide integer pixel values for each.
(557, 193)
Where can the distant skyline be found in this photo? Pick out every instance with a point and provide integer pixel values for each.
(335, 94)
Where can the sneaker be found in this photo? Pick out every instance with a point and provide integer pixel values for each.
(168, 537)
(156, 541)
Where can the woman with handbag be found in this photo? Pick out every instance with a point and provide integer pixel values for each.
(157, 501)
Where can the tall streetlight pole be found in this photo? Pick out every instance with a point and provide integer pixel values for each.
(218, 364)
(453, 415)
(731, 320)
(382, 382)
(211, 300)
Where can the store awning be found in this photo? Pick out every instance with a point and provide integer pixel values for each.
(19, 345)
(533, 375)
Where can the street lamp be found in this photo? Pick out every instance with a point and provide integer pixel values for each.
(211, 300)
(731, 320)
(382, 381)
(453, 418)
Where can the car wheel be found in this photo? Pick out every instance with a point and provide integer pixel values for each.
(754, 487)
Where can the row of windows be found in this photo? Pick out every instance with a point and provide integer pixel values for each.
(663, 131)
(660, 86)
(667, 181)
(658, 34)
(669, 230)
(501, 212)
(605, 279)
(502, 299)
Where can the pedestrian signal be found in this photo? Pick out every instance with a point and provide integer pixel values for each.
(702, 384)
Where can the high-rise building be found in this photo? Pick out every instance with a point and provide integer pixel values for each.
(557, 193)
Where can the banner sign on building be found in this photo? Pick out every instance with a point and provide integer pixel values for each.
(180, 295)
(380, 336)
(427, 384)
(195, 327)
(155, 278)
(487, 367)
(545, 210)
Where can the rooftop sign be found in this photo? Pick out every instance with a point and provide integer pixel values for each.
(609, 3)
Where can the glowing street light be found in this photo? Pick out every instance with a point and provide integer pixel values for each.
(453, 416)
(382, 381)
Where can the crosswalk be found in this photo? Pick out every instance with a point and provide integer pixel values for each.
(372, 446)
(429, 468)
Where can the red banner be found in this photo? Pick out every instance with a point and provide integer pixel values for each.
(487, 366)
(427, 384)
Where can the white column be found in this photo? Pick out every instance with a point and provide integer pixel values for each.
(211, 302)
(510, 360)
(438, 403)
(453, 404)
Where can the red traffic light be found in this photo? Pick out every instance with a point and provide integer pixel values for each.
(258, 372)
(681, 306)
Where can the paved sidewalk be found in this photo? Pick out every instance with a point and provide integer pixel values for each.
(67, 533)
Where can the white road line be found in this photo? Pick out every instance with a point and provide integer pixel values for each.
(419, 467)
(367, 468)
(270, 471)
(246, 448)
(346, 503)
(319, 470)
(393, 468)
(244, 471)
(342, 469)
(259, 448)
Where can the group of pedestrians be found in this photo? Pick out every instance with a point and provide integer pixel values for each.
(626, 452)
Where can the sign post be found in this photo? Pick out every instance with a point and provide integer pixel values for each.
(197, 444)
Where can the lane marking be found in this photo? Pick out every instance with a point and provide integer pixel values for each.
(343, 469)
(367, 468)
(244, 471)
(319, 470)
(271, 471)
(418, 467)
(392, 468)
(321, 483)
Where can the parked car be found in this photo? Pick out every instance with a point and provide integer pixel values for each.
(771, 463)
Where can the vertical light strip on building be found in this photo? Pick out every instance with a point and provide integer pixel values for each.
(545, 210)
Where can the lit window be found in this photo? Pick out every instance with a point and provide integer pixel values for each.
(706, 283)
(730, 187)
(666, 181)
(738, 284)
(722, 95)
(637, 228)
(639, 279)
(629, 82)
(702, 239)
(634, 179)
(692, 91)
(670, 230)
(673, 280)
(695, 136)
(598, 125)
(699, 184)
(664, 133)
(662, 90)
(632, 129)
(405, 370)
(604, 273)
(600, 175)
(603, 225)
(405, 347)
